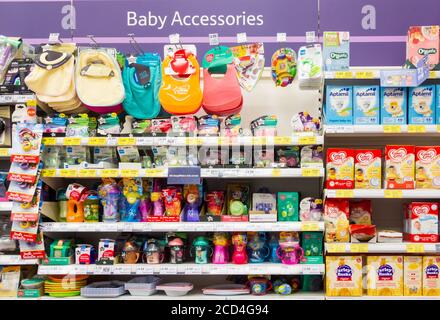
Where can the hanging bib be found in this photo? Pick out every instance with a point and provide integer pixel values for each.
(222, 96)
(283, 66)
(181, 94)
(249, 63)
(142, 81)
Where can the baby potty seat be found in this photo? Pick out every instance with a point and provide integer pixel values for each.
(283, 66)
(180, 92)
(99, 81)
(142, 81)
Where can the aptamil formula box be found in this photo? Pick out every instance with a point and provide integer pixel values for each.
(339, 105)
(421, 105)
(366, 105)
(336, 50)
(393, 106)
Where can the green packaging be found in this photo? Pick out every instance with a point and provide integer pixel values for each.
(288, 206)
(311, 242)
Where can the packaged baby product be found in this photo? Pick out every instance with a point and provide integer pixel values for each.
(423, 40)
(336, 50)
(428, 167)
(368, 169)
(336, 213)
(340, 168)
(421, 105)
(437, 99)
(412, 276)
(385, 276)
(421, 222)
(366, 105)
(339, 105)
(393, 106)
(399, 167)
(343, 276)
(431, 276)
(288, 206)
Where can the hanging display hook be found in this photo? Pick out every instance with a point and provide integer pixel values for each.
(135, 44)
(92, 38)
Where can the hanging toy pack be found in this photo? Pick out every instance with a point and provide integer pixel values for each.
(142, 80)
(180, 92)
(283, 67)
(249, 63)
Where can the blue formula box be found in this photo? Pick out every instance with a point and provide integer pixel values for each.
(366, 105)
(339, 105)
(421, 105)
(393, 106)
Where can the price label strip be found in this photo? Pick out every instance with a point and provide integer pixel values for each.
(392, 129)
(393, 194)
(336, 247)
(344, 193)
(415, 248)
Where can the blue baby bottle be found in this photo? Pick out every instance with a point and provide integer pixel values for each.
(273, 246)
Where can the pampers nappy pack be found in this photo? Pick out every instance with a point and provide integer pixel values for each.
(366, 104)
(336, 51)
(393, 106)
(339, 107)
(421, 105)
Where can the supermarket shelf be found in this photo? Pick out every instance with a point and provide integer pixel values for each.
(366, 73)
(385, 298)
(180, 226)
(205, 173)
(297, 139)
(403, 248)
(194, 295)
(359, 130)
(184, 269)
(15, 260)
(383, 193)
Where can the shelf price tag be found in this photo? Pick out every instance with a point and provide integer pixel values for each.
(241, 37)
(72, 141)
(122, 269)
(144, 269)
(49, 141)
(304, 140)
(432, 74)
(129, 173)
(126, 141)
(309, 226)
(87, 173)
(336, 247)
(97, 141)
(364, 75)
(281, 37)
(393, 194)
(193, 141)
(359, 247)
(282, 140)
(154, 173)
(103, 269)
(345, 193)
(213, 39)
(392, 129)
(167, 269)
(438, 128)
(193, 269)
(415, 128)
(259, 140)
(311, 269)
(68, 173)
(343, 74)
(415, 248)
(276, 172)
(4, 152)
(49, 172)
(310, 172)
(109, 173)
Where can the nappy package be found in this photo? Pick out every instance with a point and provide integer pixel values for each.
(366, 105)
(339, 107)
(336, 51)
(393, 106)
(421, 105)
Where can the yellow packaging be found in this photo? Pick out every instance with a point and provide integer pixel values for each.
(368, 169)
(412, 276)
(343, 276)
(385, 276)
(431, 279)
(9, 281)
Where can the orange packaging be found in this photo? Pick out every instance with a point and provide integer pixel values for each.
(368, 169)
(399, 167)
(428, 167)
(340, 168)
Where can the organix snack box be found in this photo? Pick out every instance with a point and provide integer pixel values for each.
(423, 40)
(336, 51)
(340, 168)
(368, 169)
(399, 167)
(428, 167)
(366, 105)
(393, 106)
(385, 275)
(343, 276)
(421, 105)
(339, 105)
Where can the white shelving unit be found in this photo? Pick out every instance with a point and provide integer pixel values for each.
(334, 130)
(15, 260)
(403, 248)
(5, 206)
(180, 226)
(184, 269)
(383, 193)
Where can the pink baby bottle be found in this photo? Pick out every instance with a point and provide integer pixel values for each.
(221, 249)
(239, 255)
